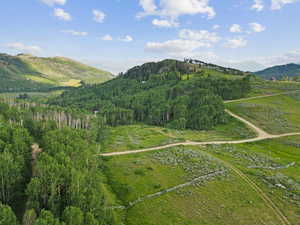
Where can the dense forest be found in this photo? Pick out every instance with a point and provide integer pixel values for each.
(169, 93)
(59, 181)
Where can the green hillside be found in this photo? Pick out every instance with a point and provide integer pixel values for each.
(29, 73)
(168, 93)
(280, 72)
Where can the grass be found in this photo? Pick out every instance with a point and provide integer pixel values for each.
(71, 83)
(276, 114)
(59, 69)
(40, 97)
(262, 87)
(134, 137)
(40, 79)
(220, 201)
(282, 184)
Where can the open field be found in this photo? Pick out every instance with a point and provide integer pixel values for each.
(226, 198)
(275, 114)
(124, 138)
(40, 97)
(263, 87)
(274, 166)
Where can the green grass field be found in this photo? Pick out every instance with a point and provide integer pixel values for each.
(134, 137)
(224, 199)
(276, 114)
(262, 87)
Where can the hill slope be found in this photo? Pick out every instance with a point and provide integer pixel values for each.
(168, 93)
(29, 73)
(279, 72)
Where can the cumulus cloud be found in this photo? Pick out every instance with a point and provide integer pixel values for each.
(256, 27)
(174, 8)
(75, 33)
(178, 46)
(278, 4)
(127, 38)
(148, 6)
(239, 42)
(199, 35)
(258, 5)
(20, 47)
(165, 23)
(107, 37)
(54, 2)
(235, 28)
(62, 14)
(99, 16)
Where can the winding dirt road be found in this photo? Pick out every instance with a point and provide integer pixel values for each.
(261, 134)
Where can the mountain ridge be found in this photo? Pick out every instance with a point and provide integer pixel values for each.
(280, 72)
(25, 72)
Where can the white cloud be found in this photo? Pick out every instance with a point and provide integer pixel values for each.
(235, 28)
(127, 38)
(258, 5)
(175, 8)
(236, 43)
(54, 2)
(199, 35)
(165, 23)
(256, 27)
(62, 14)
(148, 6)
(290, 57)
(99, 16)
(20, 47)
(216, 27)
(175, 46)
(75, 33)
(107, 37)
(278, 4)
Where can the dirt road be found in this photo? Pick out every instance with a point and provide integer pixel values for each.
(261, 135)
(262, 96)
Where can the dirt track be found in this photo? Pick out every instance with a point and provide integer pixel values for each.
(262, 96)
(261, 135)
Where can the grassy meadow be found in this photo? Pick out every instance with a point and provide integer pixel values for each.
(223, 199)
(276, 114)
(132, 137)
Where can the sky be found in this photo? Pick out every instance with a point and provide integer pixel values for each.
(116, 35)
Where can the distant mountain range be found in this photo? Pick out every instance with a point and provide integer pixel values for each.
(29, 73)
(291, 71)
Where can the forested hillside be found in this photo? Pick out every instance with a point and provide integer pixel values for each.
(169, 93)
(29, 73)
(283, 72)
(59, 182)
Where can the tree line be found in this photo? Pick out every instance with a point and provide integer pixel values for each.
(170, 99)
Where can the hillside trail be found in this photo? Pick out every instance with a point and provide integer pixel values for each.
(261, 96)
(261, 134)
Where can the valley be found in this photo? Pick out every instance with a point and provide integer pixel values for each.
(165, 143)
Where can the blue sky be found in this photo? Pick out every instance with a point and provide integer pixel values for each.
(118, 34)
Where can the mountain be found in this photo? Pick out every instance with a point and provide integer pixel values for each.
(187, 66)
(30, 73)
(280, 72)
(177, 94)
